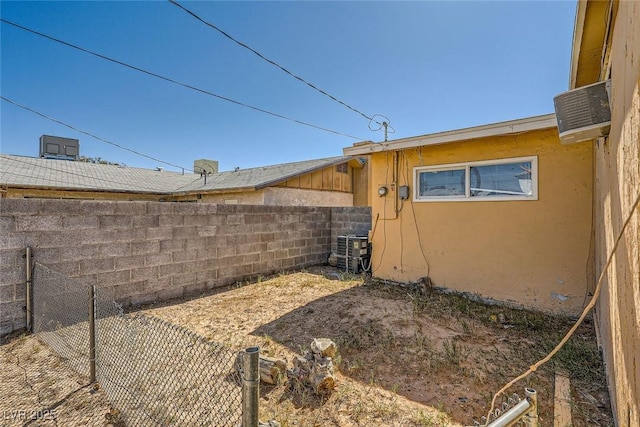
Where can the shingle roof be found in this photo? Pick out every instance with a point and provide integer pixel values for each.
(34, 172)
(260, 177)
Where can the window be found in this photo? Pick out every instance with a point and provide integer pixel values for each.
(442, 183)
(505, 179)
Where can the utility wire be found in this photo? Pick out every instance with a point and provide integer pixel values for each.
(261, 56)
(188, 86)
(90, 134)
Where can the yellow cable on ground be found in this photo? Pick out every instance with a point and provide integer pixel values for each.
(586, 310)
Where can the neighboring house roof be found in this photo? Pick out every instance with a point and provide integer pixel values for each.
(34, 172)
(261, 177)
(503, 128)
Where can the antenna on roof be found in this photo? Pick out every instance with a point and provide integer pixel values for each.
(386, 124)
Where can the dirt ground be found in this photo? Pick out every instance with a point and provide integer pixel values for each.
(406, 358)
(38, 389)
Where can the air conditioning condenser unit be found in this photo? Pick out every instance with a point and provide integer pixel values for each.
(353, 253)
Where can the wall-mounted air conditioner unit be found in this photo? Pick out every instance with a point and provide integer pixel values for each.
(583, 114)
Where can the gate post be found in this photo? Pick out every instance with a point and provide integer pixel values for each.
(92, 334)
(250, 386)
(29, 285)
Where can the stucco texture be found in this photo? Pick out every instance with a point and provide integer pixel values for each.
(282, 196)
(617, 187)
(534, 253)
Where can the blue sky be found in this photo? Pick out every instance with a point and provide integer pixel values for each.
(428, 66)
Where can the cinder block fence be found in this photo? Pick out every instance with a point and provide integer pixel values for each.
(154, 251)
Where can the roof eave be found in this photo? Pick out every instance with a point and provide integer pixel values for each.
(10, 187)
(593, 19)
(578, 28)
(495, 129)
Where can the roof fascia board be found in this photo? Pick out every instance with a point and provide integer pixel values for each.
(9, 187)
(578, 29)
(496, 129)
(214, 191)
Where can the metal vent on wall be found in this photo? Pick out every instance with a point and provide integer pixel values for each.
(584, 113)
(353, 253)
(342, 168)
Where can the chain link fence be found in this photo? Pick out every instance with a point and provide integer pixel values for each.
(61, 316)
(153, 372)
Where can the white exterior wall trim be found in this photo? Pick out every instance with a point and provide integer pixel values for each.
(495, 129)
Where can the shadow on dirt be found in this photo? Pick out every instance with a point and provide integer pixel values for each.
(439, 350)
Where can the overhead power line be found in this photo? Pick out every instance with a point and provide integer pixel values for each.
(168, 79)
(24, 107)
(264, 58)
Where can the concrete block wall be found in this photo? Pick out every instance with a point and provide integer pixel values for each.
(351, 220)
(153, 251)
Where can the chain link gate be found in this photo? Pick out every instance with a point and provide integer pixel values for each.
(153, 372)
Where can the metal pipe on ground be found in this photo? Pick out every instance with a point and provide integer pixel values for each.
(250, 386)
(525, 410)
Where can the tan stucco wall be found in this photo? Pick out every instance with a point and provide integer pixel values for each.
(298, 197)
(282, 196)
(534, 253)
(268, 196)
(240, 198)
(617, 187)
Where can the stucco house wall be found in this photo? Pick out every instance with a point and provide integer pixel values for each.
(534, 253)
(233, 198)
(282, 196)
(617, 186)
(301, 197)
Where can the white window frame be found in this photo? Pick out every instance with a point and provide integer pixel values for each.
(467, 166)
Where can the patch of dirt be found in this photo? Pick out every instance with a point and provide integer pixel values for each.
(405, 359)
(37, 388)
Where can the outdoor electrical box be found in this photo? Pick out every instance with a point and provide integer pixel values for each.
(403, 192)
(354, 253)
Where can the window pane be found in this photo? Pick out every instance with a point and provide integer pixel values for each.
(443, 183)
(506, 179)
